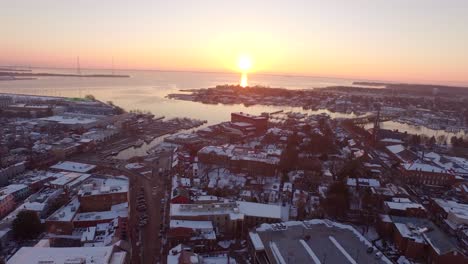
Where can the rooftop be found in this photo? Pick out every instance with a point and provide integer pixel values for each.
(69, 178)
(102, 185)
(69, 120)
(313, 241)
(71, 255)
(424, 231)
(234, 209)
(73, 166)
(66, 212)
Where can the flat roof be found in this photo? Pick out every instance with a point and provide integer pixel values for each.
(314, 241)
(423, 229)
(95, 255)
(70, 120)
(66, 212)
(191, 224)
(105, 215)
(234, 209)
(73, 166)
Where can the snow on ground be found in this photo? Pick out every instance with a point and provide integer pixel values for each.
(134, 166)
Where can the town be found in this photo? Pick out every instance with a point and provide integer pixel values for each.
(86, 182)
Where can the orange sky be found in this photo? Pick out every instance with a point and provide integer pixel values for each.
(400, 40)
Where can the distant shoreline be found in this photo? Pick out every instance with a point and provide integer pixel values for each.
(43, 74)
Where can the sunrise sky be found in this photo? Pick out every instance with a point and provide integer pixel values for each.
(401, 40)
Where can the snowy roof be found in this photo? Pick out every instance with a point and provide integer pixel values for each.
(69, 178)
(66, 212)
(422, 166)
(240, 153)
(363, 182)
(391, 140)
(396, 148)
(458, 209)
(205, 225)
(403, 206)
(69, 120)
(95, 255)
(423, 229)
(233, 209)
(298, 242)
(105, 215)
(73, 166)
(256, 241)
(12, 188)
(97, 185)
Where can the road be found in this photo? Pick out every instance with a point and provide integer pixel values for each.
(146, 244)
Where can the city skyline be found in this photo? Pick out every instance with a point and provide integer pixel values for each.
(421, 41)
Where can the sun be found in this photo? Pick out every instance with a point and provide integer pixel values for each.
(244, 63)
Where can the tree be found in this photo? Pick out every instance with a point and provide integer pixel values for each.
(26, 225)
(90, 97)
(337, 201)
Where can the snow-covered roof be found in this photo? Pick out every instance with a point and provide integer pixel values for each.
(69, 178)
(422, 166)
(102, 185)
(460, 210)
(234, 209)
(256, 241)
(66, 212)
(204, 225)
(403, 206)
(104, 215)
(396, 148)
(73, 166)
(363, 182)
(95, 255)
(340, 243)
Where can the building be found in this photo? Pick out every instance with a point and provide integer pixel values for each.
(19, 191)
(11, 171)
(70, 255)
(232, 218)
(5, 101)
(417, 170)
(89, 219)
(449, 214)
(260, 122)
(240, 159)
(100, 193)
(73, 167)
(60, 222)
(199, 234)
(421, 240)
(41, 202)
(420, 173)
(404, 207)
(312, 241)
(7, 203)
(68, 180)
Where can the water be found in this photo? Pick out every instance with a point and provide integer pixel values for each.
(147, 90)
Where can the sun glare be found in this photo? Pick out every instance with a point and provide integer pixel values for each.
(244, 63)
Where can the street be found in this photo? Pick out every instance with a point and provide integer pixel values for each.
(147, 246)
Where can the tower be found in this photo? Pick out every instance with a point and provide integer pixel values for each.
(375, 132)
(78, 67)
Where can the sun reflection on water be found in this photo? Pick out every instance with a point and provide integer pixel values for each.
(243, 81)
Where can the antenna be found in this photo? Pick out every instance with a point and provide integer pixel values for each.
(78, 68)
(78, 72)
